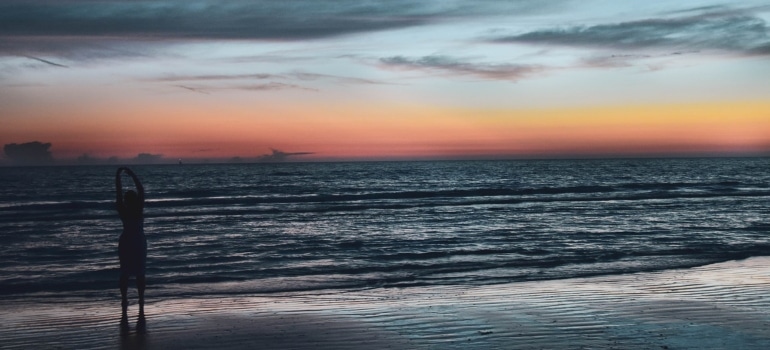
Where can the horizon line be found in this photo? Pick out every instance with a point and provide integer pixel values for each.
(4, 162)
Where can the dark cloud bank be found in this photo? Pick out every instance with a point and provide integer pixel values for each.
(37, 153)
(30, 153)
(237, 19)
(67, 27)
(201, 19)
(310, 19)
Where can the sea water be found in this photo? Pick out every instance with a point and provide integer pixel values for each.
(324, 227)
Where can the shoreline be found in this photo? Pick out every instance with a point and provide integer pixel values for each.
(717, 306)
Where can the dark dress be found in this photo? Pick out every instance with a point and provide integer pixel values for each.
(132, 247)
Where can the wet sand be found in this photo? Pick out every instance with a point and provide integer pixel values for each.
(720, 306)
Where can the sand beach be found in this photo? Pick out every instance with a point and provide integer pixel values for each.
(718, 306)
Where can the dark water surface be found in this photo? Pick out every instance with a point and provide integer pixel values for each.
(257, 228)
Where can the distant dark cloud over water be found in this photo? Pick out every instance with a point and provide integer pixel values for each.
(30, 153)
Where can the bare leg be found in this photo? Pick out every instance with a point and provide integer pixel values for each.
(124, 292)
(140, 285)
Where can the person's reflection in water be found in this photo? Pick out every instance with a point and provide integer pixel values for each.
(125, 328)
(137, 339)
(141, 324)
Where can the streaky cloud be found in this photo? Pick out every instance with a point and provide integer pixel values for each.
(46, 61)
(193, 89)
(612, 61)
(79, 48)
(211, 77)
(273, 20)
(630, 60)
(336, 78)
(272, 86)
(728, 30)
(96, 28)
(301, 76)
(93, 30)
(454, 66)
(210, 82)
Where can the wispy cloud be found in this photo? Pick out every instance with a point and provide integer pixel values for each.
(650, 62)
(46, 61)
(732, 31)
(456, 66)
(193, 89)
(612, 61)
(270, 86)
(207, 83)
(296, 75)
(210, 77)
(335, 78)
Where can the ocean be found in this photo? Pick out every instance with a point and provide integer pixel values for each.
(231, 229)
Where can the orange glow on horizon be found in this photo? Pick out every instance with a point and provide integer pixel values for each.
(358, 131)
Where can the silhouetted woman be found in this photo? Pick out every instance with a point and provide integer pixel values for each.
(132, 248)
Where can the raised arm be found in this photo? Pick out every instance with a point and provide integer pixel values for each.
(138, 184)
(118, 187)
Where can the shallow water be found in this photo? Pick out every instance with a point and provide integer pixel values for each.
(256, 228)
(717, 306)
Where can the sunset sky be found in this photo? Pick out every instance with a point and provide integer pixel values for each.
(355, 79)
